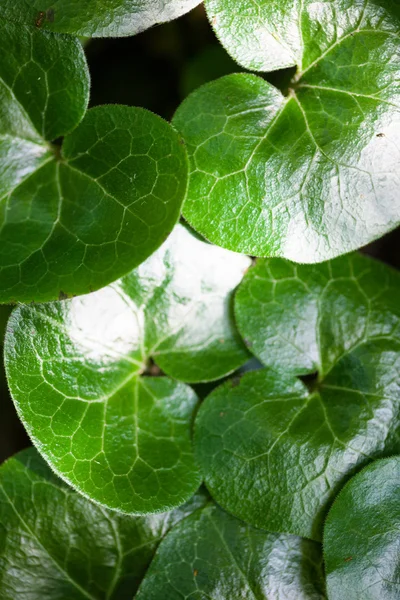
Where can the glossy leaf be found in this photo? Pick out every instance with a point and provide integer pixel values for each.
(74, 370)
(213, 555)
(304, 319)
(94, 18)
(312, 174)
(74, 219)
(362, 535)
(275, 453)
(54, 544)
(264, 35)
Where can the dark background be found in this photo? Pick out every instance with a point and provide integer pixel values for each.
(156, 69)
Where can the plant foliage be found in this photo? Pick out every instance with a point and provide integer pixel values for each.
(311, 174)
(75, 218)
(143, 360)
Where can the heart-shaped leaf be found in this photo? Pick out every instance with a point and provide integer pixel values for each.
(213, 555)
(362, 534)
(54, 544)
(94, 18)
(275, 453)
(312, 174)
(75, 373)
(74, 219)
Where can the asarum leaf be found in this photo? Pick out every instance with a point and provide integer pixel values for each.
(362, 534)
(55, 544)
(75, 218)
(313, 174)
(211, 554)
(96, 18)
(303, 319)
(75, 373)
(275, 453)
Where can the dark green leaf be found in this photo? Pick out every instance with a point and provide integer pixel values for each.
(313, 174)
(275, 453)
(362, 533)
(56, 545)
(213, 555)
(74, 370)
(74, 219)
(96, 18)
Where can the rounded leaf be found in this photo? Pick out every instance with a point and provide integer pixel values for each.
(94, 18)
(303, 319)
(213, 555)
(75, 372)
(275, 453)
(55, 544)
(74, 221)
(313, 174)
(362, 533)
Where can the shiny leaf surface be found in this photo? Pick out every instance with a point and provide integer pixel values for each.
(74, 370)
(275, 453)
(312, 174)
(96, 18)
(362, 534)
(75, 218)
(55, 544)
(213, 555)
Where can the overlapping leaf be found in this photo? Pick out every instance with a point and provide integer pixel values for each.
(313, 174)
(362, 534)
(75, 218)
(275, 453)
(94, 18)
(74, 370)
(213, 555)
(54, 544)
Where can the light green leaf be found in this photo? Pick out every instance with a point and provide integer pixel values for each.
(362, 533)
(213, 555)
(275, 453)
(96, 18)
(264, 35)
(56, 545)
(74, 370)
(304, 319)
(74, 219)
(312, 174)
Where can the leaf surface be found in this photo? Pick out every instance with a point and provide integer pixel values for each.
(55, 544)
(75, 218)
(312, 174)
(96, 18)
(361, 536)
(213, 555)
(275, 453)
(75, 373)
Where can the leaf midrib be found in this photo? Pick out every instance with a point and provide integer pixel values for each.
(231, 555)
(61, 569)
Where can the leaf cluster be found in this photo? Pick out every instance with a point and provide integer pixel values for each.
(205, 424)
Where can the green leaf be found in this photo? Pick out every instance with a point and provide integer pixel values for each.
(213, 555)
(54, 544)
(74, 370)
(361, 536)
(94, 18)
(312, 174)
(275, 453)
(44, 91)
(74, 219)
(304, 319)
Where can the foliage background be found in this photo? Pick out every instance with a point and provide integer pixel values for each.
(156, 70)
